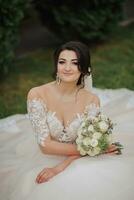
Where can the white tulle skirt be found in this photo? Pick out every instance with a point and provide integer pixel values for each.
(106, 177)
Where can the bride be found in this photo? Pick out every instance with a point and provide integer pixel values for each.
(51, 166)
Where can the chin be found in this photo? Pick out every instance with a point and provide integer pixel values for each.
(69, 79)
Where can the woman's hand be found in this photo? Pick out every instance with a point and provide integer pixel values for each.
(46, 174)
(112, 149)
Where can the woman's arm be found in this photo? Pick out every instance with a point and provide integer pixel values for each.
(48, 173)
(38, 114)
(58, 148)
(63, 165)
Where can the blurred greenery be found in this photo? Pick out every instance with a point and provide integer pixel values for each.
(113, 62)
(113, 67)
(11, 15)
(85, 20)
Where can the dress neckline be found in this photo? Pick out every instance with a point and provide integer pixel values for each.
(53, 113)
(77, 116)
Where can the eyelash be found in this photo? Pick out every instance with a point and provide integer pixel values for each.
(62, 62)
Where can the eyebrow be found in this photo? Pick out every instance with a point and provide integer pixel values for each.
(71, 59)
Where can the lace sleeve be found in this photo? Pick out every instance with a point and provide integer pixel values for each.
(92, 110)
(37, 115)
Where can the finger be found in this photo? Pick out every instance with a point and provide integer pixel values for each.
(48, 176)
(44, 178)
(40, 175)
(113, 153)
(119, 147)
(111, 149)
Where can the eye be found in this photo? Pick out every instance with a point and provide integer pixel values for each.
(75, 63)
(61, 62)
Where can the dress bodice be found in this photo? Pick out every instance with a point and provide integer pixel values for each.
(46, 122)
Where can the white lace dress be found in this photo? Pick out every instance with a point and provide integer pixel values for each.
(95, 178)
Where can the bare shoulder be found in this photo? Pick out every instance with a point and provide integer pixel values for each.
(95, 99)
(91, 98)
(39, 91)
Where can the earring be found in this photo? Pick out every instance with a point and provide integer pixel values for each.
(58, 80)
(82, 81)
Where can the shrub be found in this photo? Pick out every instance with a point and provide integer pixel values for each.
(85, 20)
(11, 14)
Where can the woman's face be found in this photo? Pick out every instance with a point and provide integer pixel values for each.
(67, 66)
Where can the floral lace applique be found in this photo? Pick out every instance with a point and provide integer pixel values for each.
(37, 115)
(92, 109)
(45, 122)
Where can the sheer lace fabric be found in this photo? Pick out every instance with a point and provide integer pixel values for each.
(45, 122)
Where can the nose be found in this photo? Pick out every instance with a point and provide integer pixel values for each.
(67, 67)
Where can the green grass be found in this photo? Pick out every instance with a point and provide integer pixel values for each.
(112, 61)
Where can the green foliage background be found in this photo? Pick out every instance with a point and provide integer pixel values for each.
(89, 21)
(11, 14)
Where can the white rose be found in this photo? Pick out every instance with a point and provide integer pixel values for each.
(83, 124)
(93, 142)
(91, 128)
(82, 152)
(97, 135)
(103, 126)
(103, 117)
(86, 141)
(79, 131)
(84, 130)
(78, 147)
(77, 141)
(94, 151)
(80, 137)
(97, 150)
(91, 153)
(96, 119)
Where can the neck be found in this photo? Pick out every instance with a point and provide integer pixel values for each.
(67, 88)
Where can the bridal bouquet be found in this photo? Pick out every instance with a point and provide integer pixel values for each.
(94, 135)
